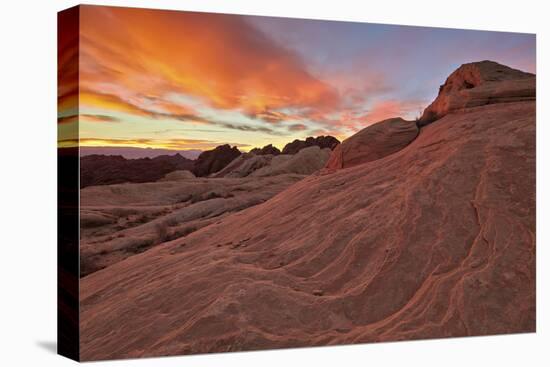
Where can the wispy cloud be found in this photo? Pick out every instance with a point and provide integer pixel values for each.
(297, 127)
(171, 144)
(255, 74)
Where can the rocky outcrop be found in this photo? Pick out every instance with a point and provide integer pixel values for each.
(120, 221)
(268, 149)
(212, 161)
(305, 162)
(110, 169)
(478, 84)
(178, 176)
(320, 141)
(244, 165)
(373, 142)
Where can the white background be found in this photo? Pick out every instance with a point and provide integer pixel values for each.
(28, 183)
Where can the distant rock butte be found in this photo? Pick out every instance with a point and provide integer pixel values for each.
(268, 149)
(478, 84)
(320, 141)
(212, 161)
(373, 142)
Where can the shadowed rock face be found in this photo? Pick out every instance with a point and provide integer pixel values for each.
(478, 84)
(212, 161)
(108, 169)
(373, 142)
(268, 149)
(320, 141)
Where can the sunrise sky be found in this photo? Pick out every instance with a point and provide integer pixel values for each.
(182, 80)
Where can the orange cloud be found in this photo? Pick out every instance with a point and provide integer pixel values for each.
(113, 102)
(391, 108)
(221, 59)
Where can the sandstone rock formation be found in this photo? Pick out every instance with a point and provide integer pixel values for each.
(212, 161)
(268, 149)
(244, 165)
(434, 240)
(305, 162)
(373, 142)
(478, 84)
(178, 175)
(111, 169)
(119, 221)
(320, 141)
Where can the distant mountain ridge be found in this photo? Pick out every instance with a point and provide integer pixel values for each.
(112, 169)
(136, 153)
(113, 165)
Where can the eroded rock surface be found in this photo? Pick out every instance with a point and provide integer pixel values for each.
(435, 240)
(478, 84)
(119, 221)
(373, 142)
(178, 175)
(305, 162)
(244, 165)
